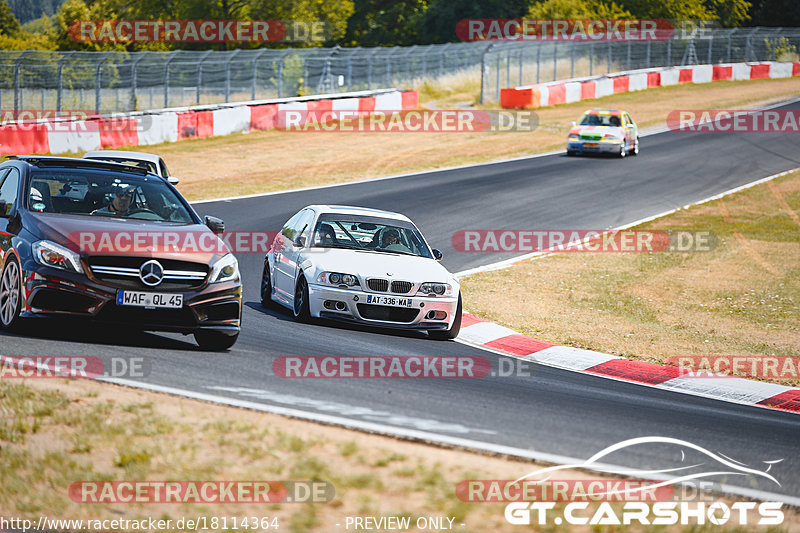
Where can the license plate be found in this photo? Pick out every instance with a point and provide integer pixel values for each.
(590, 144)
(152, 300)
(392, 301)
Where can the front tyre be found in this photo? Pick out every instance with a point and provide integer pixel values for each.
(10, 295)
(214, 341)
(266, 286)
(452, 333)
(300, 310)
(635, 150)
(623, 149)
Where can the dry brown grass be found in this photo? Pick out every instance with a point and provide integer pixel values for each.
(56, 432)
(264, 161)
(742, 299)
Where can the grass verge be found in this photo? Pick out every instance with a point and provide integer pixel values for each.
(264, 161)
(55, 432)
(740, 300)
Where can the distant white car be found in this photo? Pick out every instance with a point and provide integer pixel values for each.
(361, 265)
(604, 131)
(152, 162)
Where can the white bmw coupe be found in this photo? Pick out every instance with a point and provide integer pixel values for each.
(361, 265)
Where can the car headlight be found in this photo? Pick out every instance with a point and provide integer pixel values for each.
(337, 278)
(226, 269)
(439, 289)
(54, 255)
(611, 137)
(573, 136)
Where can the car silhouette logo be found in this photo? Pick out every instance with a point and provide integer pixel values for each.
(151, 273)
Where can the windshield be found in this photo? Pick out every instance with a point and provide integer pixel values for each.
(104, 193)
(147, 165)
(593, 119)
(369, 233)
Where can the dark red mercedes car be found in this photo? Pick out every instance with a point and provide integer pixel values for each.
(114, 244)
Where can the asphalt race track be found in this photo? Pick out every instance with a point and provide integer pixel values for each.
(551, 411)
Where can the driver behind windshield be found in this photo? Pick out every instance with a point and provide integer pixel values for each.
(120, 205)
(390, 240)
(326, 235)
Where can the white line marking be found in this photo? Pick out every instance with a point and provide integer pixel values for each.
(412, 434)
(547, 253)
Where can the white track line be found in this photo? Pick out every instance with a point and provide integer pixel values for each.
(546, 253)
(424, 436)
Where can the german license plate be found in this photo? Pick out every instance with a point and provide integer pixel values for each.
(590, 144)
(392, 301)
(152, 300)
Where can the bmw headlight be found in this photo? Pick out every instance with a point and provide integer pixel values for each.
(439, 289)
(226, 269)
(337, 278)
(54, 255)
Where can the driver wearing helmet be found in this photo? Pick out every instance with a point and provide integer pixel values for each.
(326, 235)
(120, 205)
(390, 240)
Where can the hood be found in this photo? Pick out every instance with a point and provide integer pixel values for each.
(93, 235)
(377, 264)
(597, 130)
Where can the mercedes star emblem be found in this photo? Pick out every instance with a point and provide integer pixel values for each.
(151, 273)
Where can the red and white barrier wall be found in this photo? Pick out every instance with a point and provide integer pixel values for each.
(170, 125)
(565, 92)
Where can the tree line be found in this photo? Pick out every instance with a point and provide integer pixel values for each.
(357, 22)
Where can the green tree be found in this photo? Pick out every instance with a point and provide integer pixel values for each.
(333, 13)
(378, 22)
(438, 23)
(577, 9)
(9, 25)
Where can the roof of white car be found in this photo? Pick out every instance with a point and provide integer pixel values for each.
(352, 210)
(142, 156)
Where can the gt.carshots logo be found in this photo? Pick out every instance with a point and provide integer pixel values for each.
(674, 495)
(436, 121)
(564, 30)
(735, 120)
(529, 241)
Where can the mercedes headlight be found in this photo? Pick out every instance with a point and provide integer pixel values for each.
(226, 269)
(54, 255)
(439, 289)
(337, 278)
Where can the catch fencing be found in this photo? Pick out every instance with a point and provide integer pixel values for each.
(129, 81)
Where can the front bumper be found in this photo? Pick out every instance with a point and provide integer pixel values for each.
(356, 309)
(593, 147)
(48, 292)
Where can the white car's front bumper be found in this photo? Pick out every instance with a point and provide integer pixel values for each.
(356, 309)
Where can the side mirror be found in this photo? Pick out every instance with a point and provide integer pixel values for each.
(300, 242)
(173, 180)
(4, 209)
(437, 254)
(215, 224)
(573, 123)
